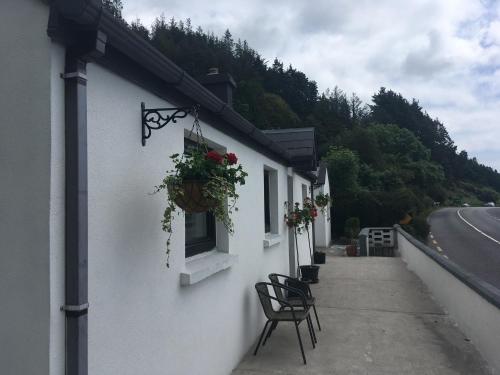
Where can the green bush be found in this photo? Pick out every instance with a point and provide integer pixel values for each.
(351, 228)
(421, 227)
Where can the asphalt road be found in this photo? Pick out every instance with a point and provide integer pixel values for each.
(469, 237)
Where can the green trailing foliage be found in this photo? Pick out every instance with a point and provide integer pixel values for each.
(322, 201)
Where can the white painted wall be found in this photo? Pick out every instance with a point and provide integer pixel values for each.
(57, 212)
(323, 225)
(475, 316)
(25, 173)
(141, 321)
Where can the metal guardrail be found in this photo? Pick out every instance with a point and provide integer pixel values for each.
(377, 242)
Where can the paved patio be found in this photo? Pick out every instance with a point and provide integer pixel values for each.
(377, 318)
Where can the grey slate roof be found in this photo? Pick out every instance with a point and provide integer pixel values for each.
(300, 144)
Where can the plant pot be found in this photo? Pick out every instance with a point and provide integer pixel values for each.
(319, 257)
(351, 250)
(191, 198)
(297, 284)
(309, 273)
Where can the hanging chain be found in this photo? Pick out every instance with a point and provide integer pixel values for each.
(200, 140)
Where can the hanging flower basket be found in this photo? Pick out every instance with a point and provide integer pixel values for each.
(190, 197)
(322, 201)
(201, 180)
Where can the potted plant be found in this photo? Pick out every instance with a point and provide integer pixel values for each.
(300, 219)
(351, 230)
(319, 257)
(310, 213)
(201, 181)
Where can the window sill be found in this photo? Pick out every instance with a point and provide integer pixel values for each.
(200, 268)
(271, 240)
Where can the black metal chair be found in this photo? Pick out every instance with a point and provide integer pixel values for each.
(290, 314)
(291, 299)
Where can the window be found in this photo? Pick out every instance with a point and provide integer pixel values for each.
(270, 201)
(304, 193)
(267, 208)
(199, 227)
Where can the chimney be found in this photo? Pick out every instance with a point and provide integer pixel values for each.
(220, 84)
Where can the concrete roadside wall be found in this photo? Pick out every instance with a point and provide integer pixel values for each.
(471, 303)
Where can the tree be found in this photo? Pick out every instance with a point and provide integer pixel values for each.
(343, 167)
(139, 28)
(386, 159)
(114, 7)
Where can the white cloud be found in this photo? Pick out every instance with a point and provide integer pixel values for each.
(445, 53)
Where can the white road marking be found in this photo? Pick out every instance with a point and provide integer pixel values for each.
(439, 249)
(445, 256)
(476, 229)
(432, 236)
(434, 242)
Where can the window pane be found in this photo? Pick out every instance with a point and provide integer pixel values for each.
(267, 208)
(196, 227)
(200, 227)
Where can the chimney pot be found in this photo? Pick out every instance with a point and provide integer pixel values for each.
(220, 84)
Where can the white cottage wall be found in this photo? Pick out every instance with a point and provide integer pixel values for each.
(57, 213)
(25, 156)
(141, 320)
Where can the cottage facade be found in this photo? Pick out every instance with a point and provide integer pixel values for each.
(82, 261)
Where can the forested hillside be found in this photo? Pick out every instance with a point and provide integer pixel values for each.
(387, 158)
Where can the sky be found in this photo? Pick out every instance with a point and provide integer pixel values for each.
(444, 53)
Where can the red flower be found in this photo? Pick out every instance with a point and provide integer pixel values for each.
(214, 156)
(231, 158)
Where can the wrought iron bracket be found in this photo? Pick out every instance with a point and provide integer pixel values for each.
(155, 118)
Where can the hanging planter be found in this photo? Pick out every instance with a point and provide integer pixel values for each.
(201, 181)
(190, 197)
(322, 201)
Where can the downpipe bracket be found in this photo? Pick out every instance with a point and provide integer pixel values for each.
(75, 308)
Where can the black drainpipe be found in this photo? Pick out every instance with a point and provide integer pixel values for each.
(76, 201)
(76, 231)
(291, 238)
(313, 185)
